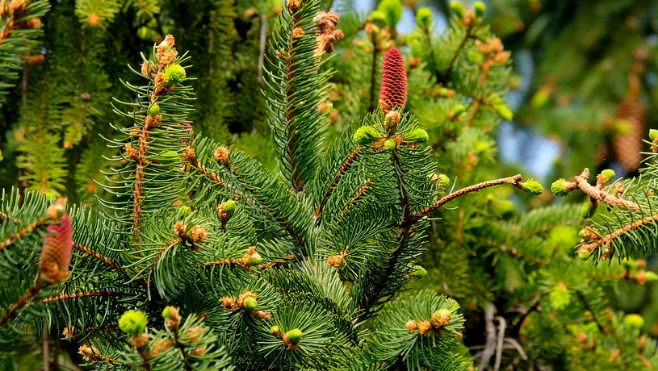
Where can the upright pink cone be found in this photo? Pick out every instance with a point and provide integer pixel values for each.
(393, 91)
(57, 249)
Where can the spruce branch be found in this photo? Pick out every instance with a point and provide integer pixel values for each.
(23, 232)
(474, 188)
(87, 294)
(360, 192)
(13, 309)
(605, 240)
(343, 169)
(96, 255)
(446, 75)
(598, 193)
(272, 209)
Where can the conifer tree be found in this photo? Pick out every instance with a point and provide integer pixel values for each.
(303, 270)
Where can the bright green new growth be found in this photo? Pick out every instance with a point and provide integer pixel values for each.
(653, 134)
(168, 157)
(168, 312)
(504, 111)
(531, 186)
(419, 271)
(559, 187)
(295, 336)
(379, 18)
(250, 303)
(174, 74)
(424, 17)
(608, 175)
(154, 109)
(588, 210)
(390, 144)
(417, 135)
(444, 180)
(634, 321)
(457, 9)
(479, 8)
(366, 135)
(393, 10)
(133, 322)
(229, 206)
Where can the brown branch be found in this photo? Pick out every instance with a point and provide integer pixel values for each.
(276, 262)
(4, 216)
(463, 191)
(600, 194)
(602, 329)
(359, 193)
(22, 233)
(12, 312)
(96, 255)
(181, 349)
(145, 360)
(164, 249)
(405, 225)
(343, 169)
(618, 233)
(241, 262)
(80, 295)
(290, 109)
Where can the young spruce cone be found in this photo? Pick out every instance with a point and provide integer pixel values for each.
(57, 249)
(393, 91)
(628, 146)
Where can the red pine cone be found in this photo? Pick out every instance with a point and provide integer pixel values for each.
(627, 147)
(57, 249)
(393, 92)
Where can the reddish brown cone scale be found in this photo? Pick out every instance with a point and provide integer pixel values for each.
(393, 91)
(56, 254)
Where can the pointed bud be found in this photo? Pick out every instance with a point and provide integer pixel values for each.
(275, 330)
(154, 109)
(184, 210)
(390, 144)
